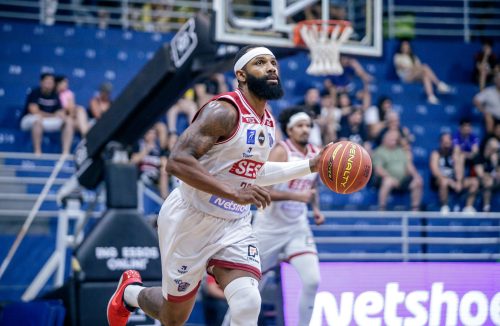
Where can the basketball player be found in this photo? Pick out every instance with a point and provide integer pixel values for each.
(283, 228)
(204, 224)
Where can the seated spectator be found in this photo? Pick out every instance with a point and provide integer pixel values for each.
(67, 98)
(152, 162)
(376, 117)
(208, 88)
(214, 302)
(394, 169)
(410, 69)
(488, 102)
(345, 81)
(487, 167)
(185, 105)
(394, 123)
(466, 143)
(353, 129)
(447, 172)
(312, 105)
(44, 112)
(101, 102)
(330, 119)
(485, 63)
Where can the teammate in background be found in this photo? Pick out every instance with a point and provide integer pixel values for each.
(283, 228)
(204, 224)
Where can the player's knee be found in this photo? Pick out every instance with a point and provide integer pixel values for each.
(244, 301)
(311, 284)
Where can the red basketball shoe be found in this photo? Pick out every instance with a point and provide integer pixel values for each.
(117, 311)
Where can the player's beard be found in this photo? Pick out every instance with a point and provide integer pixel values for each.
(262, 89)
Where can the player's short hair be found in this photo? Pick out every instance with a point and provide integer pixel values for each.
(242, 52)
(286, 114)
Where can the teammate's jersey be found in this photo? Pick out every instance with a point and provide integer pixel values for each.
(286, 214)
(236, 160)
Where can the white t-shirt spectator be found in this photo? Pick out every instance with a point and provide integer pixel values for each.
(490, 99)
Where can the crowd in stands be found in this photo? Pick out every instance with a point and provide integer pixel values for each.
(462, 163)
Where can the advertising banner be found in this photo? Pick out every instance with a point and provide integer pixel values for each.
(399, 294)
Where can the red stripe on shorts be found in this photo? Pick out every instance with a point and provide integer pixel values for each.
(230, 265)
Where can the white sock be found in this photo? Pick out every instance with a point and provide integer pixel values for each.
(243, 297)
(131, 295)
(307, 266)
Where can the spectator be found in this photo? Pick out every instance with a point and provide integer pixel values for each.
(345, 81)
(447, 172)
(205, 90)
(185, 105)
(43, 112)
(152, 162)
(101, 102)
(354, 129)
(394, 169)
(376, 117)
(485, 62)
(487, 168)
(214, 302)
(312, 105)
(488, 102)
(466, 142)
(67, 99)
(394, 123)
(330, 119)
(410, 69)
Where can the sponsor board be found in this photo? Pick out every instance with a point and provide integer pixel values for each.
(399, 294)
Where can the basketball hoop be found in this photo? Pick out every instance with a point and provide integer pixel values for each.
(323, 38)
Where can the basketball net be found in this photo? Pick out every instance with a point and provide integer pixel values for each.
(323, 38)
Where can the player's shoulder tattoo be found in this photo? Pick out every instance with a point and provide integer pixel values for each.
(218, 119)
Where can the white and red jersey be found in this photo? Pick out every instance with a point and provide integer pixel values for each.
(235, 160)
(287, 214)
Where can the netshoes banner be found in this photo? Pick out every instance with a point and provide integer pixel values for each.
(399, 294)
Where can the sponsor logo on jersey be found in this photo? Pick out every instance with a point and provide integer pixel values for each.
(248, 119)
(271, 140)
(247, 153)
(227, 205)
(269, 123)
(251, 136)
(261, 138)
(182, 269)
(246, 168)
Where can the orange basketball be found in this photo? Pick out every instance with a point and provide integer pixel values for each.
(345, 167)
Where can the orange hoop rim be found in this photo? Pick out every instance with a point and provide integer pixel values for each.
(297, 38)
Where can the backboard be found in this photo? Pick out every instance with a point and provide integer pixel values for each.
(271, 22)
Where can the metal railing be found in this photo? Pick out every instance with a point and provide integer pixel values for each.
(448, 18)
(412, 228)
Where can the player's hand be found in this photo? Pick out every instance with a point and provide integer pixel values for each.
(314, 162)
(254, 195)
(305, 196)
(319, 218)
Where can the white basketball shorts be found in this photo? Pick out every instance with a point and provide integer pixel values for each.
(192, 242)
(275, 247)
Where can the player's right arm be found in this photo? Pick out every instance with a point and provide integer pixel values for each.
(216, 121)
(279, 154)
